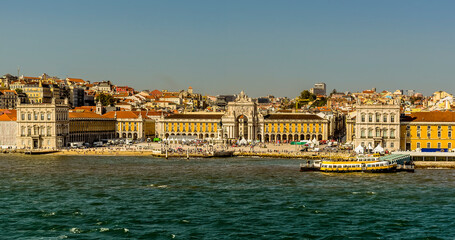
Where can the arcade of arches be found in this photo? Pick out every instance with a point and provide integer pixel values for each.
(242, 120)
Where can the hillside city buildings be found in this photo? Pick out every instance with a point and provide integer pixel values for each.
(48, 112)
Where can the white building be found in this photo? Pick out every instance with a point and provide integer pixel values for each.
(377, 124)
(43, 125)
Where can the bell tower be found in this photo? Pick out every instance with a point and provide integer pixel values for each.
(99, 108)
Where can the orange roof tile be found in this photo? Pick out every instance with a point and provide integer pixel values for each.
(433, 117)
(76, 80)
(85, 115)
(8, 115)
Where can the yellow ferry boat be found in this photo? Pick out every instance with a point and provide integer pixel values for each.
(358, 166)
(385, 164)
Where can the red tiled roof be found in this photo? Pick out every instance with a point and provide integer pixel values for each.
(156, 93)
(85, 115)
(84, 109)
(292, 116)
(432, 117)
(195, 116)
(8, 115)
(76, 80)
(125, 114)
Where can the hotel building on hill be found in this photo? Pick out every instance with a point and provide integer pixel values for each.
(243, 121)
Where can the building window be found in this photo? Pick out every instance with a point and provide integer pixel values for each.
(362, 133)
(392, 133)
(392, 145)
(363, 117)
(392, 118)
(29, 132)
(36, 116)
(439, 145)
(370, 133)
(384, 133)
(48, 116)
(29, 116)
(428, 145)
(384, 118)
(418, 145)
(428, 132)
(449, 134)
(42, 116)
(370, 117)
(378, 117)
(449, 145)
(418, 131)
(378, 132)
(23, 116)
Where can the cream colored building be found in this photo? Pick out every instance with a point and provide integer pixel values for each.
(43, 125)
(376, 124)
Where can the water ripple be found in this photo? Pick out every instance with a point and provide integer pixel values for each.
(145, 198)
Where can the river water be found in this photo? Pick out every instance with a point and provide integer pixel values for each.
(62, 197)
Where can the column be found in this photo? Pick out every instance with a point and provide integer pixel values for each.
(250, 132)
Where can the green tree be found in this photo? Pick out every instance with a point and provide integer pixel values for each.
(319, 103)
(18, 90)
(305, 94)
(106, 99)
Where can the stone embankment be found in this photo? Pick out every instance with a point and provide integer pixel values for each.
(299, 155)
(434, 164)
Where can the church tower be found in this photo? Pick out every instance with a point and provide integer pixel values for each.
(99, 108)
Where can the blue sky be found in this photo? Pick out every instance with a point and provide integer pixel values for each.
(222, 47)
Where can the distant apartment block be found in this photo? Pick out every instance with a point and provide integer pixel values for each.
(319, 89)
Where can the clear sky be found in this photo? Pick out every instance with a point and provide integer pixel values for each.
(222, 47)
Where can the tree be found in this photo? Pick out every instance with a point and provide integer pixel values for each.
(320, 103)
(305, 94)
(18, 90)
(106, 99)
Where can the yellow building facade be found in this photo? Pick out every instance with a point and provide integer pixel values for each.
(202, 126)
(428, 130)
